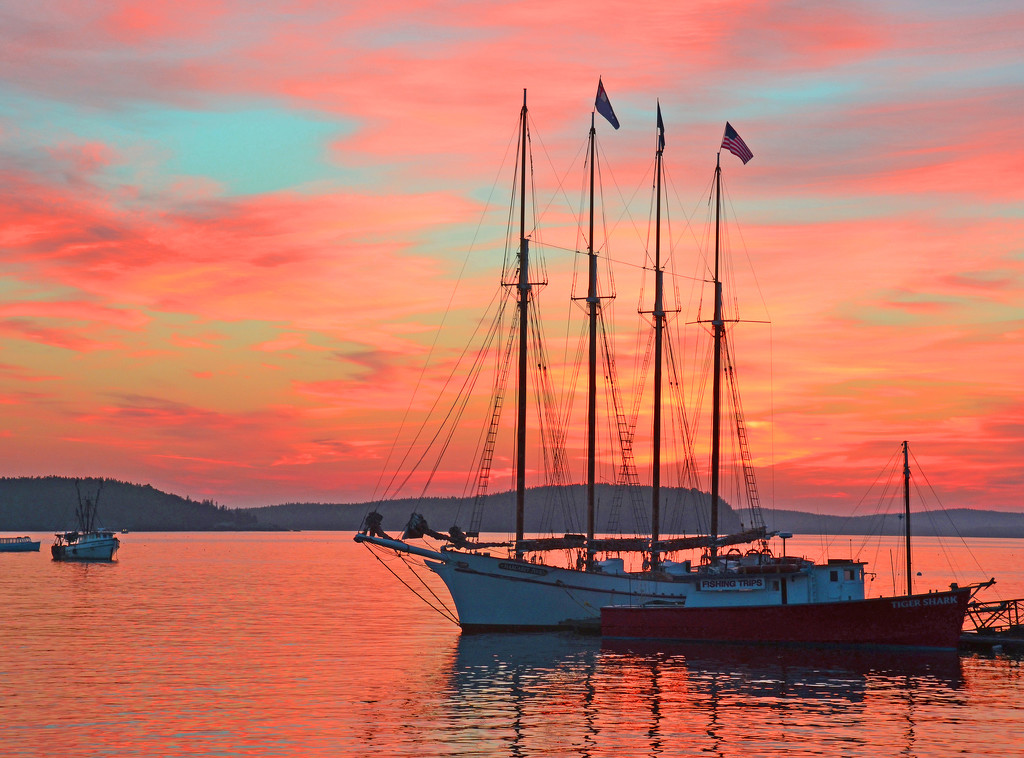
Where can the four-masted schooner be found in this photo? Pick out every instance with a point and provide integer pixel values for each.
(495, 591)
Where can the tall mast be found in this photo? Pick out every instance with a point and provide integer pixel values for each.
(716, 402)
(592, 308)
(659, 325)
(524, 292)
(906, 512)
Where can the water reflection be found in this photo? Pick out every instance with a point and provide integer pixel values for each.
(520, 692)
(560, 694)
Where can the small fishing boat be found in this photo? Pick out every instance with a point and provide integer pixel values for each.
(89, 542)
(927, 621)
(783, 600)
(18, 545)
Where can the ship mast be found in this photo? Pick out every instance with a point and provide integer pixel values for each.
(593, 304)
(659, 326)
(524, 293)
(716, 403)
(906, 513)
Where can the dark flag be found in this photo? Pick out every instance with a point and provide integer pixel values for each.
(604, 105)
(734, 144)
(661, 130)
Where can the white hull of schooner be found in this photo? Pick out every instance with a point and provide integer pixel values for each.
(502, 594)
(493, 593)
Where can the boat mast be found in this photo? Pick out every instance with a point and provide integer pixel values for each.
(716, 403)
(906, 512)
(524, 292)
(659, 325)
(592, 307)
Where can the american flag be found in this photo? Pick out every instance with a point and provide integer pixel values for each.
(734, 144)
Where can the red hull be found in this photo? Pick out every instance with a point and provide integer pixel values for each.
(925, 621)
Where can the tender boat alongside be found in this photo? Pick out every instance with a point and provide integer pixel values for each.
(927, 621)
(759, 598)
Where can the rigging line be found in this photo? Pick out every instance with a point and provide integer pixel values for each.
(548, 411)
(443, 610)
(455, 412)
(578, 209)
(606, 247)
(688, 226)
(702, 377)
(670, 238)
(651, 211)
(688, 467)
(570, 383)
(479, 477)
(541, 408)
(458, 363)
(627, 204)
(485, 454)
(625, 466)
(511, 259)
(469, 380)
(444, 317)
(746, 251)
(552, 406)
(574, 375)
(560, 180)
(566, 394)
(620, 262)
(537, 262)
(888, 469)
(924, 476)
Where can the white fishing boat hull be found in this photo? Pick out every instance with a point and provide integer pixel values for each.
(92, 546)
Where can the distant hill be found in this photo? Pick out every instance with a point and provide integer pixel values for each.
(955, 522)
(48, 503)
(550, 509)
(42, 504)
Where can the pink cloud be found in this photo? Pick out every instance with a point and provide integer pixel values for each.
(183, 326)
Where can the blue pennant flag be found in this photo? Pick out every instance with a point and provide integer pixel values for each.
(604, 105)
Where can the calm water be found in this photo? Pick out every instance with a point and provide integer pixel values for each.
(302, 644)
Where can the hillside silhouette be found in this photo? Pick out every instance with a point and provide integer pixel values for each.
(48, 504)
(42, 504)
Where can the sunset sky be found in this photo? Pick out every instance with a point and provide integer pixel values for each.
(229, 230)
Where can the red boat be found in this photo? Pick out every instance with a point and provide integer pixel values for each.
(932, 621)
(758, 597)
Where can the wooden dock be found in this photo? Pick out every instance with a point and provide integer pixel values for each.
(994, 627)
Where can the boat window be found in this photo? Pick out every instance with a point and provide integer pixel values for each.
(833, 576)
(851, 573)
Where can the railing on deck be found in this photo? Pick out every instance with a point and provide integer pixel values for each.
(1000, 617)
